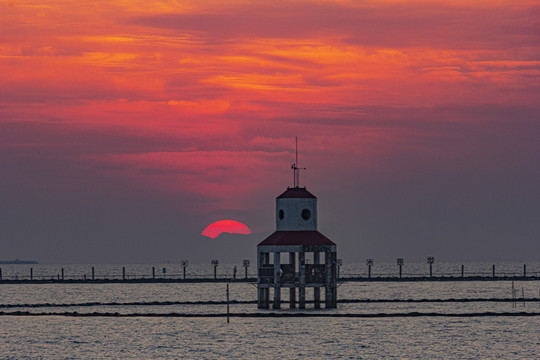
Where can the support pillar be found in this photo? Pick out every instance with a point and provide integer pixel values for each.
(266, 261)
(328, 274)
(302, 280)
(292, 291)
(263, 292)
(331, 280)
(317, 290)
(334, 279)
(277, 281)
(317, 297)
(263, 298)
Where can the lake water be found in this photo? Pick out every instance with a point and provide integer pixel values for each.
(53, 332)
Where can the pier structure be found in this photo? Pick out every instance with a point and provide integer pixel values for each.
(296, 256)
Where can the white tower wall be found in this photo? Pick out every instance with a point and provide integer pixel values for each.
(293, 214)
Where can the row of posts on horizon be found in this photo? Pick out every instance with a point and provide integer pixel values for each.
(183, 263)
(246, 264)
(430, 261)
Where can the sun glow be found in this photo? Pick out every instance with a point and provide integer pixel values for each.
(225, 226)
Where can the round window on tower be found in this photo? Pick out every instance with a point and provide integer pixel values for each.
(281, 214)
(306, 214)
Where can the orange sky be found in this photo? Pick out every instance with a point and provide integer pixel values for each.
(201, 100)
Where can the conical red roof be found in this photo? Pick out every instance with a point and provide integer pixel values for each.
(311, 237)
(296, 193)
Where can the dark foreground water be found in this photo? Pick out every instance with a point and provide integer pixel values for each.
(270, 338)
(44, 321)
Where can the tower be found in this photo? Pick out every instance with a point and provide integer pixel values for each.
(312, 257)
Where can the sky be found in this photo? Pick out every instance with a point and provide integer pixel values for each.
(127, 127)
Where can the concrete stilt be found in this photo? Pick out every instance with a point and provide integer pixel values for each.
(328, 287)
(263, 293)
(317, 290)
(277, 281)
(333, 283)
(302, 280)
(292, 298)
(292, 291)
(261, 299)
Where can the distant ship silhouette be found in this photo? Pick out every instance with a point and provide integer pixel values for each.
(18, 261)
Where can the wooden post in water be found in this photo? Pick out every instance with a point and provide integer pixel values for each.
(123, 273)
(227, 303)
(92, 273)
(524, 270)
(430, 261)
(246, 265)
(184, 266)
(462, 270)
(62, 273)
(493, 270)
(513, 295)
(400, 264)
(153, 272)
(215, 264)
(0, 273)
(31, 273)
(369, 263)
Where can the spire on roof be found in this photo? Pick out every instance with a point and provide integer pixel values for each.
(296, 168)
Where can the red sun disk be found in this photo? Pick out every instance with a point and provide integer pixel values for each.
(225, 226)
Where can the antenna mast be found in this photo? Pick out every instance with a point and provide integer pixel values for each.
(296, 168)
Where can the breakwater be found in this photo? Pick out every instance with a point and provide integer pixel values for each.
(202, 273)
(139, 280)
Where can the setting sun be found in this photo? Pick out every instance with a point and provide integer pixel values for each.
(225, 226)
